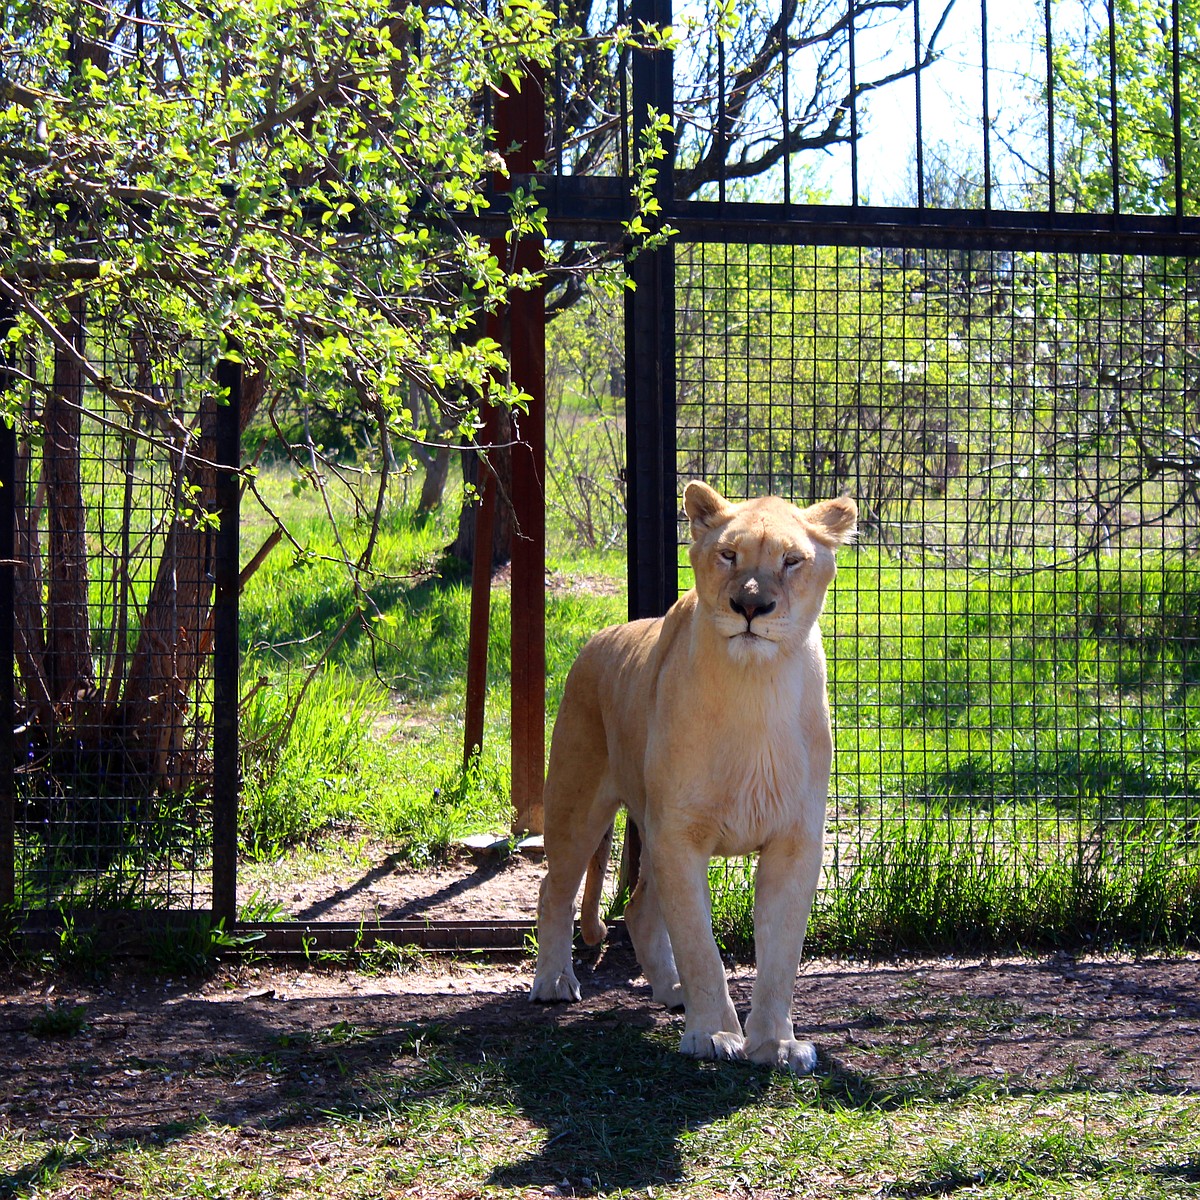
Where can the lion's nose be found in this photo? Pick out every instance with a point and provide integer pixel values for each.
(751, 609)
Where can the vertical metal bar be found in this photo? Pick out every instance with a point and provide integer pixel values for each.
(8, 502)
(722, 141)
(481, 585)
(853, 112)
(1052, 166)
(1114, 145)
(1176, 114)
(624, 98)
(650, 355)
(225, 645)
(917, 102)
(785, 100)
(521, 121)
(987, 108)
(528, 358)
(559, 92)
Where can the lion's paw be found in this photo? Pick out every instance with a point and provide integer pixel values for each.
(719, 1045)
(788, 1055)
(670, 997)
(554, 988)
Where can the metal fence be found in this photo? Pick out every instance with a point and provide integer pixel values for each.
(1014, 639)
(123, 532)
(978, 315)
(939, 255)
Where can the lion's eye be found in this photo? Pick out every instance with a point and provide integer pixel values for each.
(792, 560)
(728, 556)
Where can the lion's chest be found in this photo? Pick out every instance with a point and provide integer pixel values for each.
(766, 786)
(754, 765)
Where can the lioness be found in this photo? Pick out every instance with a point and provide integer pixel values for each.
(711, 725)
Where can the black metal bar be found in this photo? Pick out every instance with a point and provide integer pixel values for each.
(623, 89)
(1051, 164)
(650, 354)
(1176, 107)
(722, 141)
(475, 706)
(225, 645)
(8, 477)
(987, 108)
(1114, 141)
(917, 101)
(785, 98)
(593, 209)
(294, 938)
(853, 112)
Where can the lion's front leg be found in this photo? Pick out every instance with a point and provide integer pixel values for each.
(712, 1028)
(785, 884)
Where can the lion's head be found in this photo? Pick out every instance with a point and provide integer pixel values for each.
(762, 567)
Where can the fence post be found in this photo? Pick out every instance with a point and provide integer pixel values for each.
(226, 775)
(8, 501)
(650, 359)
(522, 118)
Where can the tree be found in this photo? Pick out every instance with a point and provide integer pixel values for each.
(1115, 90)
(1127, 93)
(281, 183)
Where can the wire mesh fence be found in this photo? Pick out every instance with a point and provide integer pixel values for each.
(115, 526)
(1013, 641)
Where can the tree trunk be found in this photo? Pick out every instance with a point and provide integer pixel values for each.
(172, 647)
(70, 674)
(437, 470)
(500, 463)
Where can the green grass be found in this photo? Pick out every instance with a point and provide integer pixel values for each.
(377, 743)
(617, 1112)
(1016, 753)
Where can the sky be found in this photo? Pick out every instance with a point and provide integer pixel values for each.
(951, 93)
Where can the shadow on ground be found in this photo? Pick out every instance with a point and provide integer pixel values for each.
(283, 1051)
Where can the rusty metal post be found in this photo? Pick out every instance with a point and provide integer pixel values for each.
(521, 328)
(521, 135)
(481, 599)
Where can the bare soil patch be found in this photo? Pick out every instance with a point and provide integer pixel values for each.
(256, 1045)
(372, 885)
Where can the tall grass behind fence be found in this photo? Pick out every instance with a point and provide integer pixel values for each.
(1013, 642)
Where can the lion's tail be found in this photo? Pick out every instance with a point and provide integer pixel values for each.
(591, 926)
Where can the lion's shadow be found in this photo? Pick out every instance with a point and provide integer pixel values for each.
(616, 1103)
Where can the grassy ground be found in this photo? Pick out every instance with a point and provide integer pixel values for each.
(1011, 1079)
(1015, 753)
(378, 742)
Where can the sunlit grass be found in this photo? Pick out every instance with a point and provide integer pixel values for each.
(528, 1111)
(1015, 754)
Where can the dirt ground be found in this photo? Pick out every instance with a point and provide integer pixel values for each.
(372, 885)
(159, 1052)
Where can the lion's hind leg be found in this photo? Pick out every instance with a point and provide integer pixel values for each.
(579, 807)
(567, 858)
(651, 944)
(591, 926)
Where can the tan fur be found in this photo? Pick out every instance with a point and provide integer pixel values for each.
(711, 725)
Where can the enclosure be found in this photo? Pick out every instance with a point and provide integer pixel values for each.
(940, 257)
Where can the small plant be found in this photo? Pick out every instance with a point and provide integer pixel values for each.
(388, 958)
(59, 1020)
(260, 908)
(193, 947)
(80, 949)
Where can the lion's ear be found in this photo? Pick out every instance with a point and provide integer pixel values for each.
(703, 505)
(833, 521)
